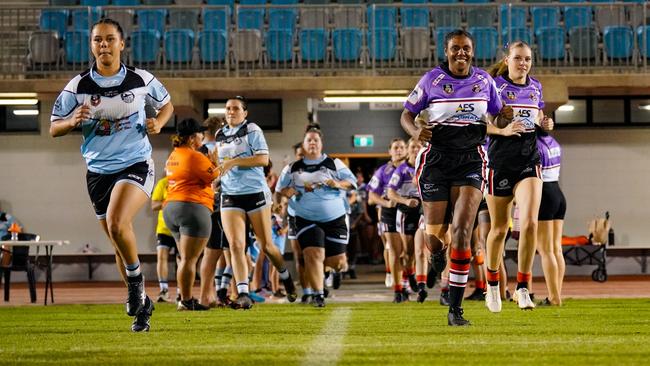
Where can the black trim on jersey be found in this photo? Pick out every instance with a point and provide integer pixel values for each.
(309, 168)
(221, 136)
(445, 67)
(87, 85)
(154, 98)
(73, 108)
(527, 83)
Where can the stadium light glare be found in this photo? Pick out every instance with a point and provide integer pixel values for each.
(566, 108)
(216, 110)
(18, 95)
(644, 107)
(26, 112)
(366, 99)
(18, 101)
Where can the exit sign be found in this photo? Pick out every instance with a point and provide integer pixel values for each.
(364, 140)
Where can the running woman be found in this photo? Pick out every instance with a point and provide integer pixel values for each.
(108, 103)
(243, 153)
(515, 173)
(377, 195)
(316, 181)
(402, 188)
(551, 217)
(457, 101)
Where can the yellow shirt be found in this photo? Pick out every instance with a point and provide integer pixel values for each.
(160, 194)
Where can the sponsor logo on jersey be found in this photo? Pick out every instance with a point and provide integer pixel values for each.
(476, 88)
(414, 97)
(95, 99)
(503, 183)
(533, 97)
(437, 80)
(511, 95)
(448, 88)
(465, 108)
(57, 104)
(474, 176)
(135, 177)
(128, 97)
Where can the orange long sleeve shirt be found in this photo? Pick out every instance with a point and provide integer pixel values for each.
(190, 176)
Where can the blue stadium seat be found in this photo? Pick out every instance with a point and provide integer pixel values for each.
(381, 17)
(95, 2)
(415, 1)
(443, 1)
(249, 18)
(84, 18)
(76, 46)
(145, 46)
(126, 2)
(184, 19)
(216, 19)
(545, 17)
(56, 20)
(480, 16)
(284, 2)
(283, 19)
(440, 34)
(63, 2)
(382, 43)
(644, 43)
(230, 3)
(313, 44)
(447, 17)
(347, 44)
(517, 34)
(476, 1)
(213, 45)
(618, 41)
(279, 45)
(179, 44)
(157, 2)
(152, 19)
(550, 43)
(513, 17)
(415, 17)
(577, 17)
(252, 2)
(316, 2)
(486, 39)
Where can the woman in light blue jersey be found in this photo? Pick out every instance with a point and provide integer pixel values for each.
(316, 181)
(107, 102)
(243, 153)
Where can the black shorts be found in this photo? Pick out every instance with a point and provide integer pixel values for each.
(408, 219)
(291, 233)
(501, 182)
(438, 171)
(100, 186)
(164, 241)
(481, 207)
(332, 235)
(245, 202)
(553, 205)
(388, 220)
(217, 236)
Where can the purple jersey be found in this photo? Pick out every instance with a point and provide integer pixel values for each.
(379, 182)
(512, 152)
(455, 106)
(402, 181)
(551, 157)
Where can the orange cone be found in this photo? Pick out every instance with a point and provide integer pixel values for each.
(15, 228)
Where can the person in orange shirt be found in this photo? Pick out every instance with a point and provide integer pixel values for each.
(189, 204)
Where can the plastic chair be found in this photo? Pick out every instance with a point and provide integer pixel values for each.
(381, 18)
(550, 43)
(43, 48)
(583, 43)
(481, 17)
(577, 17)
(63, 2)
(19, 262)
(382, 44)
(279, 45)
(179, 45)
(95, 2)
(312, 18)
(126, 2)
(618, 42)
(247, 45)
(84, 18)
(282, 19)
(643, 38)
(184, 19)
(486, 39)
(152, 19)
(415, 43)
(545, 17)
(124, 17)
(213, 46)
(55, 20)
(347, 44)
(517, 34)
(513, 17)
(216, 19)
(157, 2)
(414, 17)
(76, 47)
(447, 17)
(249, 18)
(313, 44)
(440, 34)
(145, 46)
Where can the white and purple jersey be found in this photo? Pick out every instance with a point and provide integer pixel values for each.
(379, 181)
(403, 182)
(456, 107)
(517, 152)
(551, 157)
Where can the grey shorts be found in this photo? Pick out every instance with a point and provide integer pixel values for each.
(187, 219)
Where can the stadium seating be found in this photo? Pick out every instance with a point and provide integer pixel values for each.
(63, 2)
(577, 17)
(126, 2)
(247, 46)
(550, 43)
(447, 17)
(347, 44)
(486, 39)
(250, 18)
(618, 41)
(95, 2)
(184, 19)
(382, 18)
(213, 46)
(545, 17)
(145, 47)
(512, 16)
(282, 19)
(313, 44)
(382, 44)
(55, 20)
(480, 17)
(416, 43)
(179, 44)
(77, 47)
(152, 19)
(583, 43)
(440, 34)
(216, 19)
(517, 34)
(124, 17)
(643, 37)
(311, 18)
(279, 45)
(157, 2)
(84, 19)
(414, 17)
(43, 48)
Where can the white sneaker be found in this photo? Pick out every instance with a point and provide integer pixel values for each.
(389, 280)
(493, 299)
(329, 280)
(523, 299)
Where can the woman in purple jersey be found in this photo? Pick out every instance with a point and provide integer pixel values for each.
(515, 173)
(387, 215)
(456, 101)
(551, 218)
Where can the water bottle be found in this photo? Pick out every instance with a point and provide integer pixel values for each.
(14, 236)
(610, 233)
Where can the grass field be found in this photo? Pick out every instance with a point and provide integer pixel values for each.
(593, 332)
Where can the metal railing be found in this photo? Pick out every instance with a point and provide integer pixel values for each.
(334, 39)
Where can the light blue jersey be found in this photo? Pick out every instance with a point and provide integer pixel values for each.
(316, 201)
(115, 136)
(243, 141)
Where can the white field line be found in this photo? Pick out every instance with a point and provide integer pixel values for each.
(327, 347)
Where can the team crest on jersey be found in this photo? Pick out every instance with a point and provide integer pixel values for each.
(476, 88)
(533, 97)
(128, 97)
(448, 88)
(95, 100)
(511, 95)
(103, 128)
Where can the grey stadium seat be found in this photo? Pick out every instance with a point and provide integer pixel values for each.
(44, 47)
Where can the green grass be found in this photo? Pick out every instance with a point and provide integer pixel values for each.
(583, 332)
